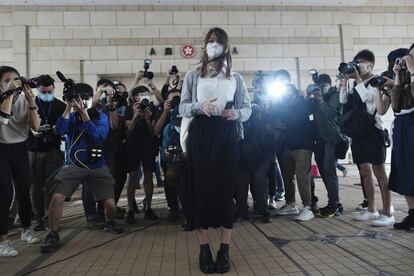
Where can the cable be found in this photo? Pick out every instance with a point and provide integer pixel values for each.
(92, 247)
(76, 152)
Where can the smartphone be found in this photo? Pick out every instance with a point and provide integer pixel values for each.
(229, 105)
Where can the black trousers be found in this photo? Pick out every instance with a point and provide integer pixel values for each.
(14, 170)
(258, 178)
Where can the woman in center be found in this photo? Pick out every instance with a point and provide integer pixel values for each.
(217, 100)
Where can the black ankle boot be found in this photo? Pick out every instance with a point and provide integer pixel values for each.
(206, 259)
(223, 260)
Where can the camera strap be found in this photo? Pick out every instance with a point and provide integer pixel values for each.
(42, 110)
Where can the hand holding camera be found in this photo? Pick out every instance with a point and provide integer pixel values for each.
(30, 96)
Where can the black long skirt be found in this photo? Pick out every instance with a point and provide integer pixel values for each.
(213, 155)
(402, 158)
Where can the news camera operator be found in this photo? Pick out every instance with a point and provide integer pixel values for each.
(326, 111)
(109, 100)
(142, 146)
(44, 146)
(294, 111)
(364, 125)
(401, 99)
(18, 114)
(85, 130)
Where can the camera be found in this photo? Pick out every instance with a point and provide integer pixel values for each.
(315, 76)
(147, 74)
(380, 80)
(401, 62)
(348, 68)
(175, 101)
(144, 103)
(174, 154)
(69, 88)
(32, 83)
(173, 70)
(46, 133)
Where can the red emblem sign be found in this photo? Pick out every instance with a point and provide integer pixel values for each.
(188, 51)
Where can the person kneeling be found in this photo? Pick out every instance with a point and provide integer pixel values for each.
(85, 131)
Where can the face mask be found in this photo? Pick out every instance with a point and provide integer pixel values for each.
(46, 97)
(325, 89)
(214, 49)
(365, 68)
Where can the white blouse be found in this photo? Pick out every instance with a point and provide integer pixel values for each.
(220, 88)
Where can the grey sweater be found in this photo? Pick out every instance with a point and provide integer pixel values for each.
(15, 129)
(189, 106)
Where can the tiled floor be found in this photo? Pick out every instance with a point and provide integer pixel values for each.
(284, 247)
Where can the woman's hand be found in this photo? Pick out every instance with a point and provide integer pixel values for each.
(13, 84)
(208, 107)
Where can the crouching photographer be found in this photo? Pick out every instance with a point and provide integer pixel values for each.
(326, 111)
(364, 125)
(44, 146)
(85, 131)
(110, 100)
(18, 113)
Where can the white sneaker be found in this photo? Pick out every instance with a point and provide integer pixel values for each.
(7, 249)
(29, 237)
(345, 172)
(384, 221)
(272, 204)
(305, 214)
(364, 216)
(288, 209)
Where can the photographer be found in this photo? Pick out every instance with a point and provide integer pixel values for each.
(171, 104)
(44, 146)
(294, 111)
(146, 77)
(107, 100)
(328, 134)
(142, 146)
(18, 113)
(85, 130)
(402, 161)
(361, 122)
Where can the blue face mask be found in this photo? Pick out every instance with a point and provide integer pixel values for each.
(46, 97)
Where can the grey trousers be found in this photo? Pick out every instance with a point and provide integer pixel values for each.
(297, 163)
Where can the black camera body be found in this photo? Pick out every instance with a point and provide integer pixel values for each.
(348, 68)
(175, 101)
(174, 154)
(70, 92)
(46, 133)
(173, 70)
(32, 83)
(147, 74)
(402, 63)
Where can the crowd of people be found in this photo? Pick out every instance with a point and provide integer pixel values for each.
(214, 145)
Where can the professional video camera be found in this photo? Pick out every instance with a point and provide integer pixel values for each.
(147, 74)
(347, 68)
(71, 91)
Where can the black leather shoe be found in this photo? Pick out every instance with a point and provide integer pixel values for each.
(222, 261)
(206, 261)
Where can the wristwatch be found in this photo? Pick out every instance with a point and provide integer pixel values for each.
(33, 107)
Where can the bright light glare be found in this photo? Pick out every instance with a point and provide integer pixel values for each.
(276, 89)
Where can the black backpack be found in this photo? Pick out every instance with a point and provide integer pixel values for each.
(356, 122)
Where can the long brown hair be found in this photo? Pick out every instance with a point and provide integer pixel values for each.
(223, 59)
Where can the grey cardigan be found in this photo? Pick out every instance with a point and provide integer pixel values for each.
(189, 106)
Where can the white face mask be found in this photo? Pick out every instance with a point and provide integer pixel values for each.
(214, 49)
(325, 89)
(365, 68)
